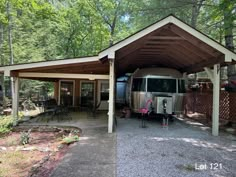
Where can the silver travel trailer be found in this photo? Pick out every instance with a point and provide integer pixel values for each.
(158, 84)
(121, 84)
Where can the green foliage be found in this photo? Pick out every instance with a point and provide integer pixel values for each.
(70, 139)
(6, 123)
(47, 30)
(35, 90)
(25, 137)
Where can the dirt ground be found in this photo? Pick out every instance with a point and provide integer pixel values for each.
(38, 158)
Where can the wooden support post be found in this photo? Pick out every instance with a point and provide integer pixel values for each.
(185, 76)
(15, 99)
(215, 78)
(111, 96)
(216, 100)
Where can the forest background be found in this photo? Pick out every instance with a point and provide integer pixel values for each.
(42, 30)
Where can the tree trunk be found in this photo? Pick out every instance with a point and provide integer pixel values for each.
(2, 79)
(195, 12)
(113, 25)
(229, 41)
(228, 28)
(10, 41)
(196, 7)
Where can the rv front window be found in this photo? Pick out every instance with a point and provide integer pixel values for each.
(139, 84)
(161, 85)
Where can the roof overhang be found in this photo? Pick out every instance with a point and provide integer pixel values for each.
(229, 55)
(83, 67)
(168, 43)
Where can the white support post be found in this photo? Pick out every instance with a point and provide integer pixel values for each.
(216, 100)
(210, 74)
(111, 95)
(185, 76)
(15, 99)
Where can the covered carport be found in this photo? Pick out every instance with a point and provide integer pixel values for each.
(174, 44)
(166, 43)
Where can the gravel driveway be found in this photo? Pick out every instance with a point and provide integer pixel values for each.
(180, 150)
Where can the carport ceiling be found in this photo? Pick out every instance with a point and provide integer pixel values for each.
(168, 46)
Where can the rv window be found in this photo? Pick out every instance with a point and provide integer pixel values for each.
(139, 84)
(181, 86)
(161, 85)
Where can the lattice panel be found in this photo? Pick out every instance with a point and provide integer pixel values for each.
(224, 105)
(202, 103)
(232, 106)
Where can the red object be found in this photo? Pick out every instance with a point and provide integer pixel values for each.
(145, 109)
(233, 82)
(224, 85)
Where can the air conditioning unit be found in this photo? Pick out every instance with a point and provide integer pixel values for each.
(164, 100)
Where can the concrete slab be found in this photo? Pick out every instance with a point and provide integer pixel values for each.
(93, 156)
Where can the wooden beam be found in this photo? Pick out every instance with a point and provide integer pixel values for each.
(174, 61)
(189, 47)
(166, 38)
(165, 59)
(62, 75)
(153, 47)
(158, 60)
(150, 53)
(75, 65)
(200, 66)
(49, 63)
(129, 56)
(157, 45)
(197, 42)
(126, 50)
(161, 42)
(150, 50)
(181, 55)
(229, 55)
(78, 70)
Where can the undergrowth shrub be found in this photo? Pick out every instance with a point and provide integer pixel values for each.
(25, 137)
(6, 124)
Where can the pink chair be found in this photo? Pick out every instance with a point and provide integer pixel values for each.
(144, 112)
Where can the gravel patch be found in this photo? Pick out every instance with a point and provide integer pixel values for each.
(177, 151)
